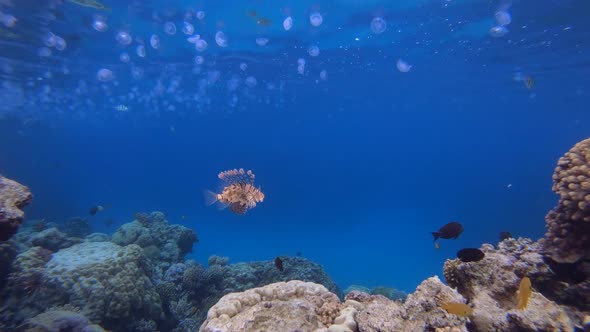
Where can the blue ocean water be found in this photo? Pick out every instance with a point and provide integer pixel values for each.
(358, 160)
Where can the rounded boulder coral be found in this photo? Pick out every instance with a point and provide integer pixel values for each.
(567, 238)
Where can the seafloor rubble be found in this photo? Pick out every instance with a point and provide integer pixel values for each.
(63, 279)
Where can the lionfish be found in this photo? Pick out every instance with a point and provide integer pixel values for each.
(239, 192)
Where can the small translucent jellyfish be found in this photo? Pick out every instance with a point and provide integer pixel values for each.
(187, 28)
(261, 41)
(233, 83)
(503, 17)
(104, 75)
(250, 81)
(155, 42)
(316, 19)
(323, 75)
(200, 15)
(201, 45)
(99, 24)
(301, 66)
(378, 25)
(403, 66)
(170, 28)
(199, 60)
(8, 20)
(288, 23)
(140, 50)
(498, 31)
(44, 52)
(137, 73)
(124, 57)
(49, 39)
(193, 39)
(313, 50)
(124, 38)
(221, 39)
(243, 66)
(60, 43)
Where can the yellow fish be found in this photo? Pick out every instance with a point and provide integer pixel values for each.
(456, 308)
(90, 4)
(524, 293)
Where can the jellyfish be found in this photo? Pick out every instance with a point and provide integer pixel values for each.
(378, 25)
(498, 31)
(313, 50)
(403, 66)
(155, 42)
(288, 23)
(201, 45)
(140, 51)
(221, 39)
(104, 75)
(316, 19)
(170, 28)
(187, 28)
(261, 41)
(124, 57)
(123, 38)
(99, 24)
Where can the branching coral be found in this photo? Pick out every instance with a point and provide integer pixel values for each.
(567, 238)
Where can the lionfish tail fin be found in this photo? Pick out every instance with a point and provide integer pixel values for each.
(436, 235)
(209, 197)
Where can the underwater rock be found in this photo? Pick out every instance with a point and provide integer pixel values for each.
(293, 306)
(54, 240)
(107, 282)
(97, 237)
(58, 320)
(7, 255)
(567, 239)
(491, 285)
(13, 197)
(76, 227)
(420, 312)
(305, 306)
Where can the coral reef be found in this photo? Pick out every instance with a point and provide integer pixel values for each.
(491, 286)
(106, 282)
(305, 306)
(61, 319)
(76, 227)
(13, 197)
(163, 244)
(54, 240)
(567, 239)
(292, 306)
(7, 254)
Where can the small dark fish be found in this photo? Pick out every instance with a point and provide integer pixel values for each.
(279, 264)
(505, 235)
(451, 230)
(95, 209)
(470, 255)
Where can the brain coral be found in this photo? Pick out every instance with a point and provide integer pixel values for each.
(106, 281)
(567, 238)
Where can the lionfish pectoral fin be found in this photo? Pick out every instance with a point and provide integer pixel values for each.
(209, 197)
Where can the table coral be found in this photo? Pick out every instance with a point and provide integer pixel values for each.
(568, 225)
(13, 197)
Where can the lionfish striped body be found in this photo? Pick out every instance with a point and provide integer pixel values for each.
(239, 193)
